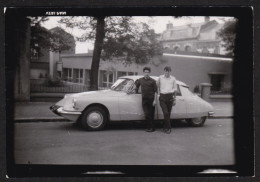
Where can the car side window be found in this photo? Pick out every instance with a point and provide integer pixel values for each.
(124, 85)
(178, 90)
(127, 85)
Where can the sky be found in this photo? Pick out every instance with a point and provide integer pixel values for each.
(158, 23)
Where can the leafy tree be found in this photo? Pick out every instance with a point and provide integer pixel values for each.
(228, 35)
(55, 40)
(115, 37)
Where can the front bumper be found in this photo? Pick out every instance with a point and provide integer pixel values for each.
(71, 115)
(54, 109)
(210, 113)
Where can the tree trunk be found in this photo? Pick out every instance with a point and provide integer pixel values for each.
(100, 34)
(18, 56)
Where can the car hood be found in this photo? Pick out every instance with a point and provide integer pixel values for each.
(67, 100)
(103, 93)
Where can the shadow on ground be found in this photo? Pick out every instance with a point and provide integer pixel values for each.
(129, 125)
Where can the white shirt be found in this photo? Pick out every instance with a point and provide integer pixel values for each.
(167, 85)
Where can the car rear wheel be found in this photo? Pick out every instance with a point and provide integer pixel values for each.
(94, 118)
(196, 121)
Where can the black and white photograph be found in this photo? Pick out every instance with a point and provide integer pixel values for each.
(123, 91)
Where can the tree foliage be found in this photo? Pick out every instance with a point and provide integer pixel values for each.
(228, 35)
(55, 40)
(115, 37)
(124, 39)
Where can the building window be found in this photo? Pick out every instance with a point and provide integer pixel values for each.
(87, 77)
(176, 48)
(217, 82)
(78, 75)
(35, 54)
(121, 73)
(172, 33)
(205, 50)
(188, 48)
(217, 50)
(67, 74)
(107, 78)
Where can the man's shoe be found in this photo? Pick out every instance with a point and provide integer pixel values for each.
(168, 131)
(150, 130)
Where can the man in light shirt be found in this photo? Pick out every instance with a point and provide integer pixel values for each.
(167, 89)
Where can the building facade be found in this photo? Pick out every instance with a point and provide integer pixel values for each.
(76, 69)
(198, 37)
(193, 51)
(191, 69)
(45, 63)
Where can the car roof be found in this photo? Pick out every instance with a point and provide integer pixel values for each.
(135, 77)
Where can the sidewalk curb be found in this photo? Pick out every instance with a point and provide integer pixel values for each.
(60, 119)
(45, 119)
(221, 117)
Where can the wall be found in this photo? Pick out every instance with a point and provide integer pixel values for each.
(83, 61)
(190, 70)
(54, 58)
(35, 73)
(194, 71)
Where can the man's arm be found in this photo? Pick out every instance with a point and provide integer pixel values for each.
(158, 86)
(175, 87)
(155, 94)
(175, 92)
(137, 85)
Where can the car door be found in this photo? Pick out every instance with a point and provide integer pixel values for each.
(192, 105)
(179, 110)
(130, 105)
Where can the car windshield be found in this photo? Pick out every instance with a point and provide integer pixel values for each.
(122, 85)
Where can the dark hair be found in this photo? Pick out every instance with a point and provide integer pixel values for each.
(167, 68)
(147, 68)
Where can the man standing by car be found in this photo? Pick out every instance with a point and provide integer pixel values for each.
(167, 89)
(149, 95)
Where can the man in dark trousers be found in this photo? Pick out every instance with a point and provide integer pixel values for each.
(167, 89)
(149, 95)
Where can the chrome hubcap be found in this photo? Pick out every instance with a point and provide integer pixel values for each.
(95, 119)
(197, 120)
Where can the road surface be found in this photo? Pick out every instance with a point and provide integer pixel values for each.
(124, 144)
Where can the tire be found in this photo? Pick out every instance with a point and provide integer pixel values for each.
(94, 118)
(197, 122)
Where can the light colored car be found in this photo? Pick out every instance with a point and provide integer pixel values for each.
(94, 109)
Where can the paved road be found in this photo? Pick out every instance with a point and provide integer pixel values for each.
(124, 143)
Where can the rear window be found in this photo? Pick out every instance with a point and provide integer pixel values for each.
(185, 91)
(178, 90)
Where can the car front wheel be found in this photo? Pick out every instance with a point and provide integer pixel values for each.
(94, 118)
(197, 121)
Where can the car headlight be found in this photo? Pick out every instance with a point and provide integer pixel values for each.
(74, 103)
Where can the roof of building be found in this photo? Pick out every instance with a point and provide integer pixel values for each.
(66, 34)
(189, 31)
(77, 55)
(180, 52)
(201, 57)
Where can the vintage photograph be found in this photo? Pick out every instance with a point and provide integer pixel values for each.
(124, 90)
